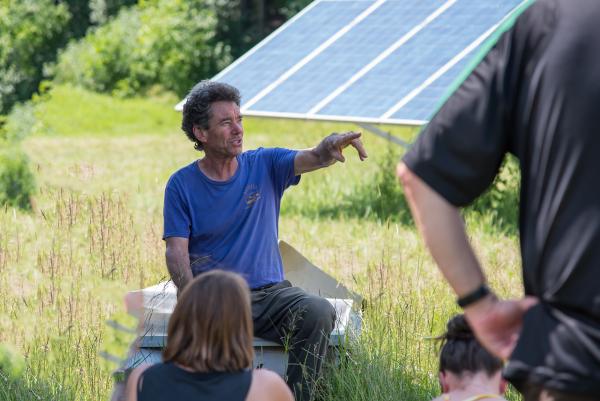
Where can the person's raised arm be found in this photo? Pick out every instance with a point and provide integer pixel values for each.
(178, 261)
(327, 152)
(495, 323)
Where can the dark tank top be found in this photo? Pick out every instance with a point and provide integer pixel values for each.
(166, 382)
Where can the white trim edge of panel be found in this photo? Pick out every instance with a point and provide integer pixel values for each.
(335, 118)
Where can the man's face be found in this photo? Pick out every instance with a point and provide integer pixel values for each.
(225, 132)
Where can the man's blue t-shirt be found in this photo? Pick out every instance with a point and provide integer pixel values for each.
(233, 224)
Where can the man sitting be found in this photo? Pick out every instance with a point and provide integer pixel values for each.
(222, 211)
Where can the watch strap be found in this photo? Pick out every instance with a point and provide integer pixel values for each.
(473, 296)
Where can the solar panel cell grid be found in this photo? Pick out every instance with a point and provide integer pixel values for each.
(423, 106)
(345, 57)
(284, 50)
(365, 60)
(396, 76)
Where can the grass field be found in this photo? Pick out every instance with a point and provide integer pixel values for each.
(101, 165)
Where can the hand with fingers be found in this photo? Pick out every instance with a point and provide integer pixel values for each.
(330, 149)
(497, 323)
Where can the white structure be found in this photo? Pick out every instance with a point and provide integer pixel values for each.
(154, 305)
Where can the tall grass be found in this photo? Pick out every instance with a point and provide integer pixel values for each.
(96, 234)
(63, 273)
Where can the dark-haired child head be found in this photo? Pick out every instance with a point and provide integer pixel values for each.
(466, 368)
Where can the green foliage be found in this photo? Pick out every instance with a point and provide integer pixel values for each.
(30, 33)
(118, 339)
(85, 13)
(158, 42)
(80, 17)
(500, 203)
(12, 363)
(20, 122)
(243, 23)
(102, 58)
(378, 196)
(375, 194)
(102, 10)
(382, 197)
(12, 367)
(170, 43)
(17, 183)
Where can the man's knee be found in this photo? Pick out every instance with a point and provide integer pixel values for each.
(319, 313)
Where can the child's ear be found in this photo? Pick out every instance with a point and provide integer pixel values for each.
(443, 382)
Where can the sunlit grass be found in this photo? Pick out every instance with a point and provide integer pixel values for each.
(96, 233)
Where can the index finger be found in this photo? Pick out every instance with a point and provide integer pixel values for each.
(358, 145)
(345, 138)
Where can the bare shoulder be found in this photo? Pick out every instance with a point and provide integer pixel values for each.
(498, 398)
(268, 386)
(132, 382)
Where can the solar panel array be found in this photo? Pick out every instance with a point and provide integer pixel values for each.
(383, 61)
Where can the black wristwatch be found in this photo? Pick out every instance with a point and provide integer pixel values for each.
(474, 296)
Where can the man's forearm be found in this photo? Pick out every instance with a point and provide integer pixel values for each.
(178, 264)
(442, 227)
(308, 160)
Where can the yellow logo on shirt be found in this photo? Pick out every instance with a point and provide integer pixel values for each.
(251, 195)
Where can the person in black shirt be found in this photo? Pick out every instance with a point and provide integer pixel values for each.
(535, 94)
(209, 351)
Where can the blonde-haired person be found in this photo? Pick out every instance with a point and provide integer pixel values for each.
(467, 371)
(209, 351)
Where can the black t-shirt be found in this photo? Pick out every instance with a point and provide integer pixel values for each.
(536, 94)
(166, 382)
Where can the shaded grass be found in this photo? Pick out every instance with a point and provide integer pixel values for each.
(28, 389)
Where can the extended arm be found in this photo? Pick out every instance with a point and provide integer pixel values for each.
(496, 323)
(178, 261)
(327, 152)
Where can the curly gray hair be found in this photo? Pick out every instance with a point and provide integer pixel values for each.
(197, 108)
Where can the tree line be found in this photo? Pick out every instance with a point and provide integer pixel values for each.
(121, 47)
(126, 46)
